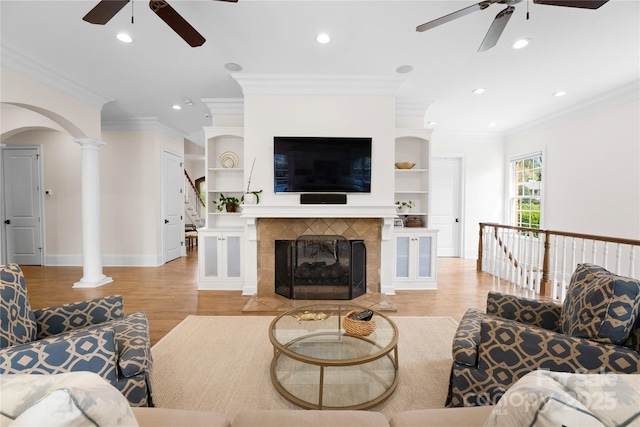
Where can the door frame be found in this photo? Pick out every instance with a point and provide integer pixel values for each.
(461, 197)
(4, 255)
(183, 250)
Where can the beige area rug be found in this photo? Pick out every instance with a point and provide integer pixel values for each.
(221, 364)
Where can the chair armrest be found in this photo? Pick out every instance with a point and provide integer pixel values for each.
(510, 349)
(543, 314)
(63, 318)
(93, 350)
(467, 338)
(133, 344)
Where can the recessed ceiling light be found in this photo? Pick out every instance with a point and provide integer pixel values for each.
(176, 107)
(403, 69)
(560, 93)
(323, 38)
(187, 101)
(492, 124)
(519, 44)
(232, 66)
(431, 123)
(124, 37)
(479, 90)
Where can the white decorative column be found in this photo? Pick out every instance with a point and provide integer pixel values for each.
(92, 276)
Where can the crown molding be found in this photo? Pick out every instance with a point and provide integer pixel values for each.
(149, 124)
(621, 95)
(225, 106)
(21, 62)
(411, 108)
(317, 84)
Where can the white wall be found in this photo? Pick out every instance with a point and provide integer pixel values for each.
(483, 180)
(592, 181)
(342, 116)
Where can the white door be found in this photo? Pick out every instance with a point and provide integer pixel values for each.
(22, 218)
(172, 182)
(446, 203)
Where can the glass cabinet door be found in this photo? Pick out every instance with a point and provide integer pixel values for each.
(212, 251)
(424, 256)
(402, 256)
(233, 255)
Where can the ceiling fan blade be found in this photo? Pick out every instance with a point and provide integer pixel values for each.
(177, 22)
(496, 29)
(582, 4)
(455, 15)
(104, 11)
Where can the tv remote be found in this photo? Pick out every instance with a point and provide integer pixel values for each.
(365, 315)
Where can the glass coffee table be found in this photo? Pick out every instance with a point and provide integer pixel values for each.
(317, 365)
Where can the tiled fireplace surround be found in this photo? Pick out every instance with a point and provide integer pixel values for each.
(268, 230)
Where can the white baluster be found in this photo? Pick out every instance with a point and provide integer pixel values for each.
(618, 257)
(605, 253)
(632, 258)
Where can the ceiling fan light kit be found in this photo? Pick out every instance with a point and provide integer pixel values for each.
(502, 18)
(107, 9)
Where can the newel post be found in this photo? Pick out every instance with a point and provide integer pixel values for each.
(92, 276)
(544, 286)
(480, 245)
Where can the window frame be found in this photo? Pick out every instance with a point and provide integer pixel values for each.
(511, 211)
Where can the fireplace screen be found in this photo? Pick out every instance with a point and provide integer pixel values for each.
(320, 267)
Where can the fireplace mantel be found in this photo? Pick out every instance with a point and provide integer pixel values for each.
(252, 212)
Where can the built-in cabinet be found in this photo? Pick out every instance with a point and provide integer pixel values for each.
(415, 259)
(220, 256)
(221, 243)
(415, 246)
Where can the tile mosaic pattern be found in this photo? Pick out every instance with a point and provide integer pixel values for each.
(271, 229)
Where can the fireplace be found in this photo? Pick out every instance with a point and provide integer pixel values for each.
(320, 268)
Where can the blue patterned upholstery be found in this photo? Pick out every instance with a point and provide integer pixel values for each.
(92, 335)
(492, 350)
(17, 322)
(600, 305)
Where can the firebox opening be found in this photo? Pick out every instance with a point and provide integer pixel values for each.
(320, 267)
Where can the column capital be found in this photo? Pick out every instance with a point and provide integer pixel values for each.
(89, 142)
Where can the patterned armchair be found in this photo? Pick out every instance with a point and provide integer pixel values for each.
(596, 330)
(90, 336)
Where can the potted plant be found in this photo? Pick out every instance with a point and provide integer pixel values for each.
(404, 206)
(229, 204)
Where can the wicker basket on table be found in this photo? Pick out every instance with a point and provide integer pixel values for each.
(358, 327)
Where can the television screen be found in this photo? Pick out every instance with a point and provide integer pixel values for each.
(321, 165)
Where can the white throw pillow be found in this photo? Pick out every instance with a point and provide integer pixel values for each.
(70, 399)
(543, 398)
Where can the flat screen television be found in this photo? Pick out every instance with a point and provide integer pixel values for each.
(321, 165)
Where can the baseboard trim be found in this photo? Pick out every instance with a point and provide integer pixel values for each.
(107, 260)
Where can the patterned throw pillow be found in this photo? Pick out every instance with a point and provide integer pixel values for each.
(600, 305)
(17, 322)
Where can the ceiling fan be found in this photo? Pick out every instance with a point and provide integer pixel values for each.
(107, 9)
(501, 19)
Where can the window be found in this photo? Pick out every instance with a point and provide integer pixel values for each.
(526, 191)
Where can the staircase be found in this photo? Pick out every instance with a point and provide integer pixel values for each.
(194, 208)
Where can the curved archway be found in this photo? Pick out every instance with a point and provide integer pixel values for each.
(26, 119)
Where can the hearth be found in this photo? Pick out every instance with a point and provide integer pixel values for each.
(320, 268)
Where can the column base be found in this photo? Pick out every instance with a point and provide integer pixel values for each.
(93, 283)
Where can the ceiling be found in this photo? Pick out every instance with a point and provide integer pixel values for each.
(583, 52)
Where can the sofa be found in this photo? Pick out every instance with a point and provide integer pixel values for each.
(539, 398)
(595, 330)
(93, 335)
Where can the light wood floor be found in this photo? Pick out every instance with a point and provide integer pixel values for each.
(168, 294)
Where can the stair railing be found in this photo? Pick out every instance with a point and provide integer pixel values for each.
(543, 261)
(194, 206)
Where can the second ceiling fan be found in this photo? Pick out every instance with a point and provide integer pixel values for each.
(502, 18)
(107, 9)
